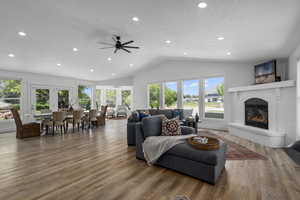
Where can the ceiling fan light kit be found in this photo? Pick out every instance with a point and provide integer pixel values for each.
(119, 45)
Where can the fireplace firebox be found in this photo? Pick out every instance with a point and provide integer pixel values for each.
(256, 113)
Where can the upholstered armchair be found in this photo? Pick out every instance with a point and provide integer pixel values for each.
(25, 130)
(122, 111)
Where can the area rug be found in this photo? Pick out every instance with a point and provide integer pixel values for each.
(181, 197)
(234, 151)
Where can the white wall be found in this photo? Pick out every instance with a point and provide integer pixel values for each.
(235, 74)
(30, 79)
(294, 73)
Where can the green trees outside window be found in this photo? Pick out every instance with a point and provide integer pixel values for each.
(63, 99)
(10, 94)
(111, 97)
(42, 100)
(170, 95)
(85, 97)
(154, 95)
(126, 98)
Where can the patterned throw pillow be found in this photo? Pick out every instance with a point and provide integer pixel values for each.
(170, 127)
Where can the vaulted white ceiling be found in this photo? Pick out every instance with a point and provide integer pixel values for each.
(253, 30)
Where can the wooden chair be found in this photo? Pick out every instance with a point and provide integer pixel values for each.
(101, 118)
(25, 130)
(93, 117)
(59, 121)
(77, 119)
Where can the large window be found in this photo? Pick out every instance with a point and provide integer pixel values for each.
(98, 98)
(170, 95)
(111, 97)
(214, 98)
(126, 98)
(42, 97)
(191, 96)
(63, 99)
(154, 95)
(85, 97)
(10, 94)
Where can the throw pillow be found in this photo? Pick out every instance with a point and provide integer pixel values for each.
(143, 115)
(170, 127)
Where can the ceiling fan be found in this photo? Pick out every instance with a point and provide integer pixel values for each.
(119, 45)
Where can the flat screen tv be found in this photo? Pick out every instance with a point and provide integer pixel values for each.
(265, 72)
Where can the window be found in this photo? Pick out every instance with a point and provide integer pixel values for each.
(126, 98)
(191, 96)
(170, 95)
(85, 97)
(214, 98)
(154, 95)
(98, 98)
(111, 97)
(10, 95)
(42, 100)
(63, 99)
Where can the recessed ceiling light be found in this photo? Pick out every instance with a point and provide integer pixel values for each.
(228, 53)
(130, 65)
(21, 33)
(91, 70)
(135, 19)
(185, 53)
(109, 59)
(202, 4)
(113, 74)
(75, 49)
(58, 64)
(220, 38)
(11, 55)
(168, 41)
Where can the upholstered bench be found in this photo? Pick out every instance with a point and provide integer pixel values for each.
(201, 164)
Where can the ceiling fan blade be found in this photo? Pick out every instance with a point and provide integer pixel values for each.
(106, 43)
(126, 50)
(107, 47)
(131, 41)
(115, 51)
(131, 47)
(114, 39)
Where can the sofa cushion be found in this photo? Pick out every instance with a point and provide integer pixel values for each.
(170, 127)
(185, 150)
(296, 146)
(166, 112)
(135, 116)
(152, 125)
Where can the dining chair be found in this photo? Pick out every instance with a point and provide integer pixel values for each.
(46, 122)
(25, 130)
(59, 121)
(93, 117)
(102, 116)
(77, 119)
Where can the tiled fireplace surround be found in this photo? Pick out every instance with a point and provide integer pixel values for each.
(280, 113)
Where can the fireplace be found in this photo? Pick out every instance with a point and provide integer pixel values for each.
(256, 113)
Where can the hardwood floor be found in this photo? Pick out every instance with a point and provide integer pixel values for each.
(98, 165)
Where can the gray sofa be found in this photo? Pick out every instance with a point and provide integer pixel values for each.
(204, 165)
(134, 118)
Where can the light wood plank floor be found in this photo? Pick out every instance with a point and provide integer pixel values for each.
(98, 165)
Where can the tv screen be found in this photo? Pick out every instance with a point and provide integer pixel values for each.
(265, 72)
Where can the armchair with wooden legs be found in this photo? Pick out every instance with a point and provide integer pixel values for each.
(25, 130)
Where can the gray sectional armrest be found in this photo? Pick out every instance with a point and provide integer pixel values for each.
(185, 130)
(139, 139)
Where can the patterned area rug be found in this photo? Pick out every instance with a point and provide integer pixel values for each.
(181, 197)
(234, 150)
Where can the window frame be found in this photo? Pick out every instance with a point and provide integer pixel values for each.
(20, 98)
